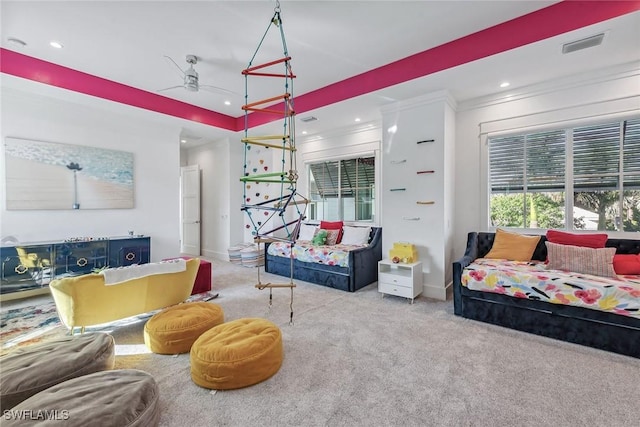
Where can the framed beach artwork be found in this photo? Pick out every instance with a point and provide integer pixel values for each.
(47, 175)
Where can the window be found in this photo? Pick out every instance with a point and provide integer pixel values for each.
(342, 189)
(597, 165)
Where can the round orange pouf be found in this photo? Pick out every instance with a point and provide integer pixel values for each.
(236, 354)
(175, 329)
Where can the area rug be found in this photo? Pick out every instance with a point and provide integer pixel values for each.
(36, 323)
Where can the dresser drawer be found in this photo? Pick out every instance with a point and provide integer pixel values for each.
(401, 291)
(395, 279)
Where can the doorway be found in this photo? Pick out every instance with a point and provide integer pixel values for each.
(190, 210)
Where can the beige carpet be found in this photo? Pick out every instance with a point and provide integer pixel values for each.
(356, 359)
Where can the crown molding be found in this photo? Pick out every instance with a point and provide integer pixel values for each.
(375, 125)
(576, 80)
(419, 101)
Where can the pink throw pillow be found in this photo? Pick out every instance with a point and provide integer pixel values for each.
(333, 225)
(591, 240)
(626, 263)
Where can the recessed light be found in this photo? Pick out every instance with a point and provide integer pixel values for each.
(184, 141)
(504, 84)
(55, 44)
(16, 42)
(227, 102)
(357, 119)
(304, 132)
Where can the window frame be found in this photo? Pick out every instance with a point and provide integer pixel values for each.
(339, 160)
(568, 126)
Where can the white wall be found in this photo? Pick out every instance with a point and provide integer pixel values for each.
(404, 218)
(156, 172)
(614, 93)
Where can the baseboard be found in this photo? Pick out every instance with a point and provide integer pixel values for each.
(220, 256)
(437, 292)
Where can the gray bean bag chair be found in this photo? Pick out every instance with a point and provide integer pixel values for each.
(29, 370)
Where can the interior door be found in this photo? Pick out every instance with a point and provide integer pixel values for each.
(190, 210)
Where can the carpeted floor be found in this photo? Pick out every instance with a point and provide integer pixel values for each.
(356, 359)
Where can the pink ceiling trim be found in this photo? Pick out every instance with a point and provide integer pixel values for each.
(27, 67)
(551, 21)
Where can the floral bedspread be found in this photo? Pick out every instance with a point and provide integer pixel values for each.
(533, 280)
(306, 252)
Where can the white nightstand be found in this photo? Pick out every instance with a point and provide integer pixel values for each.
(403, 280)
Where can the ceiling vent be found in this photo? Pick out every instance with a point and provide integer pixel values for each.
(308, 119)
(583, 43)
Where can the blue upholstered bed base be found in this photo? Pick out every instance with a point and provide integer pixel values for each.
(362, 270)
(594, 328)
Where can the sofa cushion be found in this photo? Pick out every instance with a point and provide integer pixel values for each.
(332, 237)
(512, 246)
(626, 263)
(355, 235)
(591, 240)
(598, 262)
(307, 231)
(333, 225)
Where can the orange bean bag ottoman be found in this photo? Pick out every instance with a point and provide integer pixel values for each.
(175, 329)
(236, 354)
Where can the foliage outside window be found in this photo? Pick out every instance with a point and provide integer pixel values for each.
(342, 189)
(598, 165)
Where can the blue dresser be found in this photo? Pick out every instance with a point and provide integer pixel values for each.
(26, 269)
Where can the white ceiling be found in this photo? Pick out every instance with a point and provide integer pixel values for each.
(329, 41)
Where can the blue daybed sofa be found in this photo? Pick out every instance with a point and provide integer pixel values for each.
(362, 268)
(585, 326)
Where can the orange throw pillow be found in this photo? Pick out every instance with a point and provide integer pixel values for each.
(513, 246)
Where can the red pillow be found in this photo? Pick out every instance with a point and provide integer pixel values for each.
(333, 225)
(592, 240)
(626, 264)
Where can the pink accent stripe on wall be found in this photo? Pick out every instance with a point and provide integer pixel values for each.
(551, 21)
(27, 67)
(539, 25)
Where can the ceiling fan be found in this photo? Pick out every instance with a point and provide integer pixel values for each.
(190, 78)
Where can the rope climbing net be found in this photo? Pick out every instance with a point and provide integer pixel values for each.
(273, 206)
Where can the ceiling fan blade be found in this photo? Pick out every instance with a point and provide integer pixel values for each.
(182, 73)
(217, 89)
(172, 87)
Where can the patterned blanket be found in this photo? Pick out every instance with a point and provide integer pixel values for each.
(306, 252)
(533, 280)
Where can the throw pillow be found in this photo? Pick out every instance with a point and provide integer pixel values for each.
(626, 263)
(355, 235)
(578, 259)
(592, 240)
(513, 246)
(332, 237)
(333, 225)
(307, 231)
(320, 238)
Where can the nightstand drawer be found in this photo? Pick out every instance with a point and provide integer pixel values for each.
(390, 289)
(395, 279)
